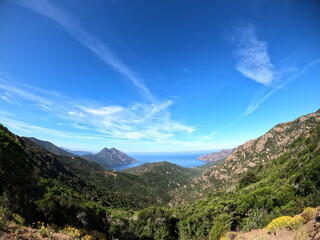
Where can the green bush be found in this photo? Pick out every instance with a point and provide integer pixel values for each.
(221, 225)
(3, 218)
(308, 213)
(257, 218)
(18, 219)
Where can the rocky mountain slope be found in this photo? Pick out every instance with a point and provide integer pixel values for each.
(110, 157)
(51, 147)
(216, 156)
(283, 186)
(254, 152)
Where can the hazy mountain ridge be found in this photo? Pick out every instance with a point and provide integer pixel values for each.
(110, 157)
(76, 152)
(254, 152)
(216, 156)
(106, 157)
(51, 147)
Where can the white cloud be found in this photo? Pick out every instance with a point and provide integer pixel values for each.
(259, 98)
(91, 42)
(6, 98)
(30, 128)
(138, 121)
(253, 60)
(104, 111)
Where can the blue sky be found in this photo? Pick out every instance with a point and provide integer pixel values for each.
(150, 76)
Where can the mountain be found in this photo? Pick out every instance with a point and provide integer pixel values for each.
(110, 157)
(216, 156)
(60, 190)
(51, 147)
(39, 184)
(79, 153)
(164, 175)
(253, 153)
(283, 186)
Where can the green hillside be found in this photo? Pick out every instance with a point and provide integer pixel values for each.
(164, 175)
(41, 186)
(51, 147)
(283, 186)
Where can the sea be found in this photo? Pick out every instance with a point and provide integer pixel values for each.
(184, 159)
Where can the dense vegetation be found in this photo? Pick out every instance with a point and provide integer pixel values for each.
(164, 175)
(51, 147)
(50, 188)
(283, 186)
(41, 186)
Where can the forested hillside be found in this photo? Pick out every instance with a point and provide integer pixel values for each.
(41, 186)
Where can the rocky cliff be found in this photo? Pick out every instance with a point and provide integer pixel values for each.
(216, 156)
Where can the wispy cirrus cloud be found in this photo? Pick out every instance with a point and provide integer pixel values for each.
(91, 42)
(138, 121)
(264, 94)
(253, 60)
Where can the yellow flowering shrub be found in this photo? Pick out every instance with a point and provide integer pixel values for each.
(283, 222)
(42, 229)
(296, 222)
(279, 223)
(308, 213)
(87, 237)
(73, 232)
(18, 219)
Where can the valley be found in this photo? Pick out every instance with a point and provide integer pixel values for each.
(274, 175)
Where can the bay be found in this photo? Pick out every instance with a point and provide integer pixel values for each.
(184, 159)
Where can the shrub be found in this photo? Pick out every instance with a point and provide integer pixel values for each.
(308, 213)
(3, 218)
(221, 226)
(257, 218)
(279, 223)
(229, 236)
(18, 219)
(291, 223)
(73, 232)
(42, 229)
(295, 222)
(87, 237)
